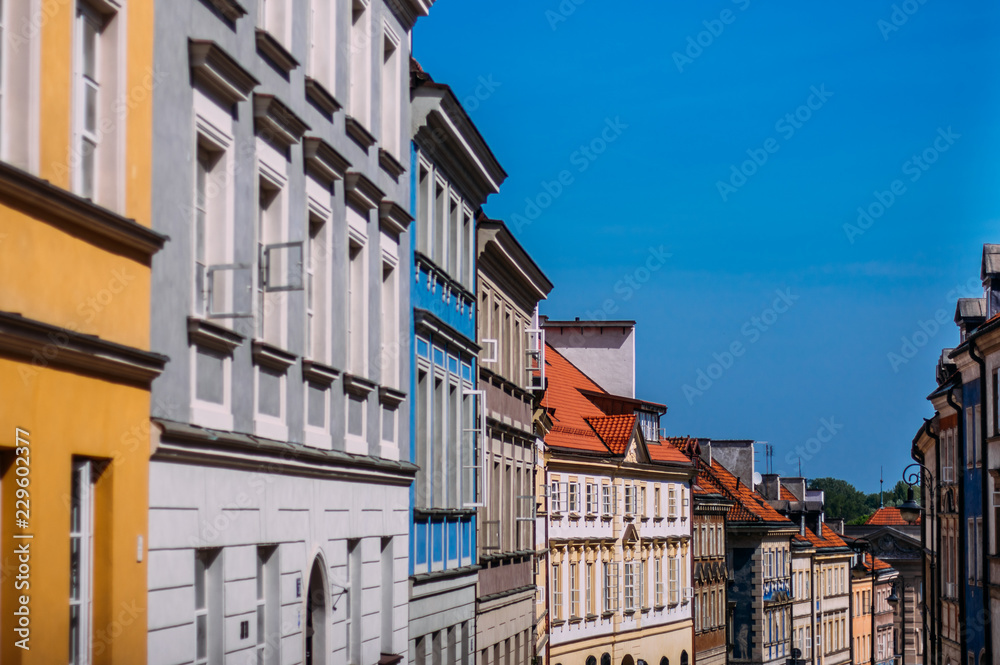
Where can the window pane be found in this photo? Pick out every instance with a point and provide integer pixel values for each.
(201, 629)
(317, 406)
(388, 425)
(89, 44)
(74, 568)
(87, 149)
(355, 415)
(210, 368)
(199, 581)
(90, 107)
(269, 392)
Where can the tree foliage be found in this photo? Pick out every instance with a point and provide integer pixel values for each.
(843, 500)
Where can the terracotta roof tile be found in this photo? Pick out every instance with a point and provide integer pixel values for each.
(615, 431)
(672, 449)
(827, 538)
(568, 407)
(888, 516)
(784, 494)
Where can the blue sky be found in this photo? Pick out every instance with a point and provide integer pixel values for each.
(544, 80)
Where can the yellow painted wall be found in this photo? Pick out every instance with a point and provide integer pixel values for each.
(650, 644)
(64, 280)
(69, 414)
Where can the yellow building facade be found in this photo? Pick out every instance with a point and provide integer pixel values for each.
(75, 370)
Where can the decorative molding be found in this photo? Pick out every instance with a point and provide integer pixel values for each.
(268, 355)
(220, 72)
(323, 160)
(390, 164)
(203, 332)
(321, 97)
(78, 214)
(230, 9)
(318, 372)
(276, 121)
(390, 397)
(393, 217)
(45, 345)
(357, 385)
(362, 191)
(359, 133)
(269, 47)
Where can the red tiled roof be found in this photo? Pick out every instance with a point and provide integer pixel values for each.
(672, 449)
(615, 431)
(568, 407)
(748, 506)
(879, 563)
(827, 538)
(888, 517)
(784, 494)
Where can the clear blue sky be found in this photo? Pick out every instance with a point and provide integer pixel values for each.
(547, 87)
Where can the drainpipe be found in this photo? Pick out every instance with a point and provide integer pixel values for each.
(977, 355)
(936, 561)
(960, 473)
(927, 522)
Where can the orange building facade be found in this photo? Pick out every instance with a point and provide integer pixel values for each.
(74, 329)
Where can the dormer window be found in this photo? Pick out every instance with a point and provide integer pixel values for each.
(650, 424)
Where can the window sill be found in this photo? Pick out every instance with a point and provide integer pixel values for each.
(271, 356)
(607, 614)
(606, 517)
(558, 622)
(628, 613)
(590, 517)
(658, 519)
(659, 607)
(556, 514)
(230, 9)
(628, 518)
(575, 620)
(573, 516)
(645, 610)
(644, 519)
(270, 428)
(318, 372)
(207, 333)
(591, 617)
(358, 386)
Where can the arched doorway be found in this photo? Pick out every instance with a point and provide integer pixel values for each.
(684, 658)
(316, 604)
(628, 660)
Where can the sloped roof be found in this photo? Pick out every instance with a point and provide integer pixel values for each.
(888, 517)
(826, 538)
(569, 409)
(991, 260)
(970, 308)
(615, 431)
(672, 449)
(785, 494)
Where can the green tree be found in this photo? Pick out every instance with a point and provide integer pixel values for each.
(843, 500)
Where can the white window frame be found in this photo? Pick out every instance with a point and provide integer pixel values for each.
(359, 48)
(322, 51)
(574, 590)
(275, 17)
(268, 606)
(392, 85)
(265, 424)
(658, 575)
(557, 593)
(357, 318)
(212, 582)
(630, 586)
(390, 349)
(82, 537)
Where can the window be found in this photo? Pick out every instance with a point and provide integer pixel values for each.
(608, 507)
(591, 498)
(643, 585)
(390, 325)
(972, 448)
(642, 501)
(658, 575)
(361, 56)
(656, 500)
(268, 606)
(673, 579)
(574, 591)
(671, 501)
(555, 498)
(650, 425)
(88, 98)
(352, 601)
(322, 55)
(391, 87)
(611, 572)
(317, 289)
(81, 561)
(274, 256)
(557, 595)
(629, 586)
(574, 497)
(208, 607)
(629, 493)
(274, 17)
(357, 326)
(588, 590)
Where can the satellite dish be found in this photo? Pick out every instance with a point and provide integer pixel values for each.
(757, 479)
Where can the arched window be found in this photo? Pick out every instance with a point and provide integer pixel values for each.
(664, 661)
(684, 658)
(606, 659)
(591, 660)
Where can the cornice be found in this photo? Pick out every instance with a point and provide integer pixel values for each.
(67, 210)
(276, 122)
(393, 217)
(363, 192)
(46, 345)
(270, 48)
(322, 97)
(219, 71)
(323, 160)
(207, 333)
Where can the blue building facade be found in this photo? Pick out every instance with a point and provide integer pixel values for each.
(452, 172)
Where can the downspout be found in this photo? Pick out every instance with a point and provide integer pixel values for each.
(927, 523)
(976, 355)
(960, 582)
(936, 644)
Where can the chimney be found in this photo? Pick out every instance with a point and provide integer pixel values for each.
(737, 457)
(770, 486)
(705, 445)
